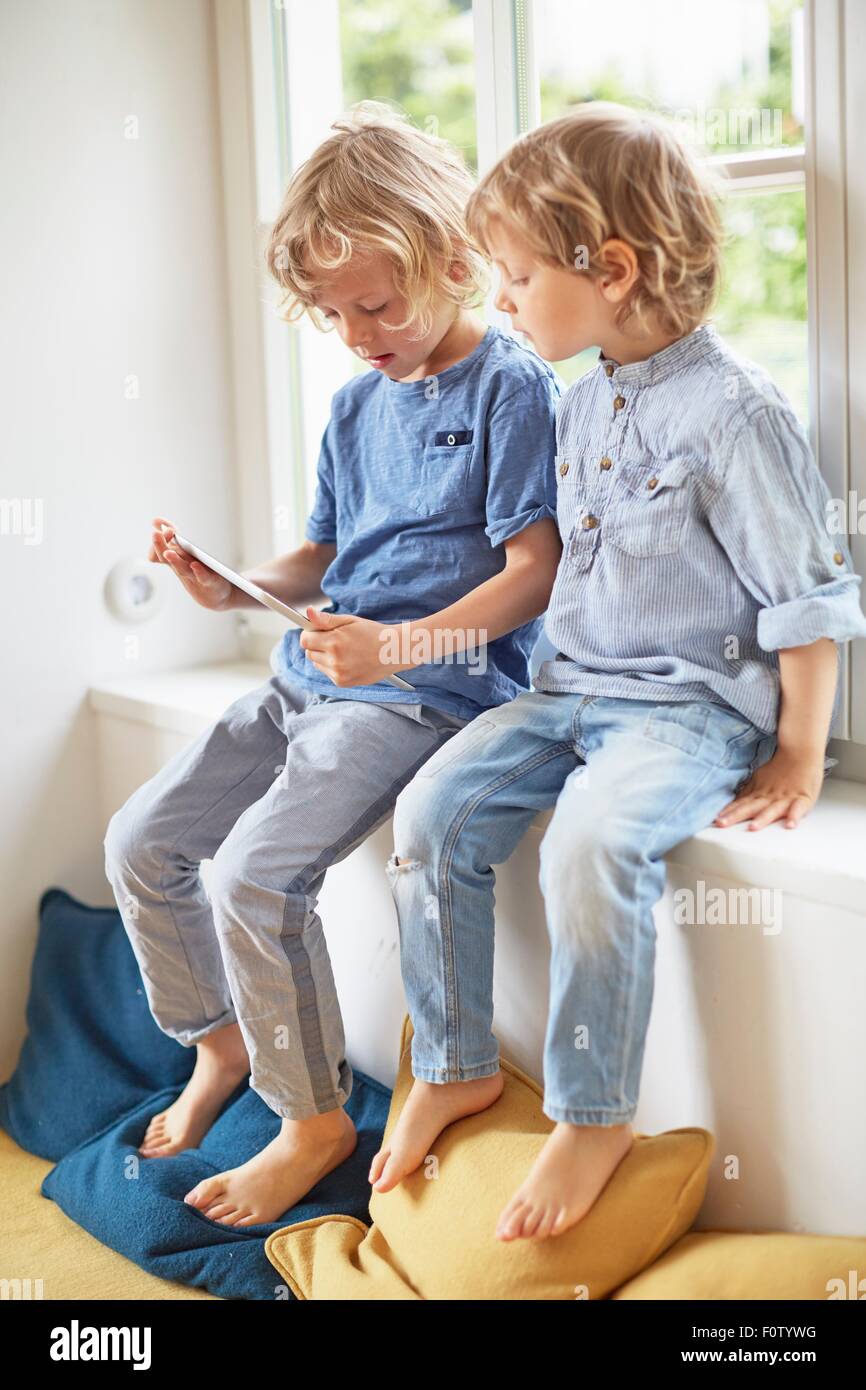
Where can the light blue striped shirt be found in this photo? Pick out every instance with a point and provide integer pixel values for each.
(695, 532)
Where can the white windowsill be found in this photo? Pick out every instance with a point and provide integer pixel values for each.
(183, 701)
(822, 860)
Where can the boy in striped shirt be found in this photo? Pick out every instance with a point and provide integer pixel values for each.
(696, 613)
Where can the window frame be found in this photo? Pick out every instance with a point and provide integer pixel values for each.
(273, 115)
(851, 39)
(275, 108)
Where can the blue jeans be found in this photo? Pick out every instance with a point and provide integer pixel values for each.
(629, 780)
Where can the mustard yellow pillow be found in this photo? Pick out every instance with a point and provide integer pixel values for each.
(764, 1265)
(433, 1237)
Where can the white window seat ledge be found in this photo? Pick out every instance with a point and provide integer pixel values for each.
(822, 860)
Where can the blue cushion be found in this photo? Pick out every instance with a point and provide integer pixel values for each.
(92, 1049)
(136, 1204)
(93, 1071)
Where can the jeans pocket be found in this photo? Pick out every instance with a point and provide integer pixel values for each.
(736, 737)
(764, 750)
(682, 724)
(752, 757)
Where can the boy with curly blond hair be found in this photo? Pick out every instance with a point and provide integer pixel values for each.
(433, 536)
(695, 616)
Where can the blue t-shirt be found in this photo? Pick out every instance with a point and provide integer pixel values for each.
(419, 485)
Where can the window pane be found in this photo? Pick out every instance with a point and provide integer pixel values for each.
(762, 307)
(731, 82)
(419, 55)
(761, 310)
(730, 76)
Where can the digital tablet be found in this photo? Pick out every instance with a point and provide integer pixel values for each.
(262, 595)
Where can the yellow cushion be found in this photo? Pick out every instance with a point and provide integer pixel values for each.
(62, 1261)
(434, 1237)
(766, 1265)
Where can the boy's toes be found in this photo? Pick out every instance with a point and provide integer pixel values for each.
(545, 1224)
(152, 1133)
(391, 1174)
(511, 1221)
(228, 1217)
(230, 1214)
(205, 1194)
(377, 1166)
(531, 1221)
(220, 1210)
(158, 1148)
(161, 1145)
(560, 1222)
(156, 1136)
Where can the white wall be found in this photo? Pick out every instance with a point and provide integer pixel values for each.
(113, 260)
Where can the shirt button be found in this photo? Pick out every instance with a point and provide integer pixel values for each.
(606, 463)
(589, 522)
(451, 439)
(618, 402)
(609, 368)
(653, 482)
(563, 469)
(839, 558)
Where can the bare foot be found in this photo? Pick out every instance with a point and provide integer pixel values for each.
(428, 1109)
(221, 1064)
(276, 1179)
(564, 1181)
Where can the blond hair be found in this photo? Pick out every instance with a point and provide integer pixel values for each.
(378, 185)
(605, 171)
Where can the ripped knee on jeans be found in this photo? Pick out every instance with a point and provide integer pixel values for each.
(397, 869)
(395, 865)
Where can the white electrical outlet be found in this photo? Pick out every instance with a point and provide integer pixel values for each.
(134, 591)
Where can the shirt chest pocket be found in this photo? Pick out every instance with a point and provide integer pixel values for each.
(439, 478)
(648, 509)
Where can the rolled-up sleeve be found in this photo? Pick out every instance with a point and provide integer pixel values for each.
(322, 521)
(521, 452)
(772, 514)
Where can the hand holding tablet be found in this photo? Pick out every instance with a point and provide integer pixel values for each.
(248, 587)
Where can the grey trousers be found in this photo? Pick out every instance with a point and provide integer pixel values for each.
(283, 785)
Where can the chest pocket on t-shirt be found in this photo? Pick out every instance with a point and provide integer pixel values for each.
(438, 478)
(648, 513)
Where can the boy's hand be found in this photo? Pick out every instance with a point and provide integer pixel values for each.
(346, 649)
(785, 788)
(206, 587)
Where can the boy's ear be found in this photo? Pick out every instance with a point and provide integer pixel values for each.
(619, 269)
